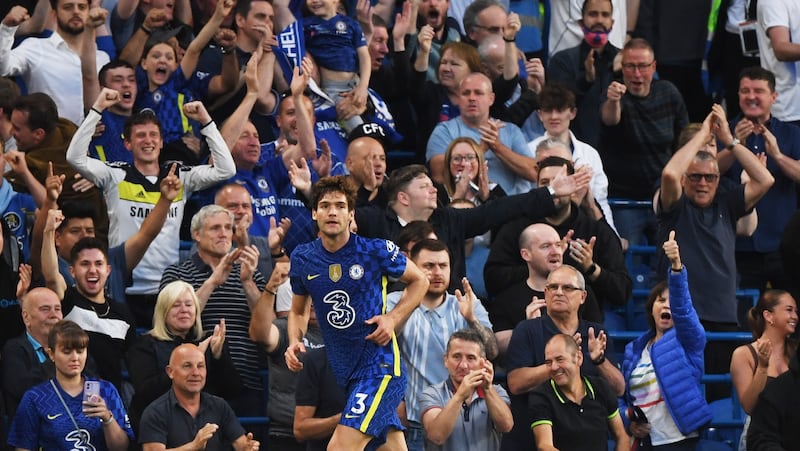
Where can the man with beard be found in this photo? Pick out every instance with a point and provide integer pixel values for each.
(51, 65)
(588, 68)
(429, 327)
(434, 13)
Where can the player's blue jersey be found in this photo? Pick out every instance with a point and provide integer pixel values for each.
(110, 146)
(347, 288)
(42, 422)
(333, 42)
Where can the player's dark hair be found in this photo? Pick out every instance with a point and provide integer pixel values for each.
(428, 244)
(68, 334)
(335, 184)
(413, 231)
(114, 64)
(467, 335)
(41, 109)
(146, 116)
(88, 242)
(758, 73)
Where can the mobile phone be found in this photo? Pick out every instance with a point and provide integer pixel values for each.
(91, 391)
(748, 35)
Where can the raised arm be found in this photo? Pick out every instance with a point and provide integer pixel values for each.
(263, 314)
(232, 127)
(228, 79)
(676, 167)
(137, 244)
(192, 55)
(52, 278)
(77, 153)
(611, 109)
(132, 52)
(203, 176)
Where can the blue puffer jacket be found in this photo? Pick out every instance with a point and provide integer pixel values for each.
(677, 360)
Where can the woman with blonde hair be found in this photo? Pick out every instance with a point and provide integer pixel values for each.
(772, 321)
(176, 320)
(466, 174)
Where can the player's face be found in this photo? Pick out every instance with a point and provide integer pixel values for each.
(72, 231)
(145, 143)
(258, 21)
(214, 238)
(562, 293)
(696, 184)
(756, 99)
(159, 63)
(237, 201)
(332, 214)
(545, 252)
(557, 121)
(122, 80)
(90, 272)
(434, 12)
(72, 15)
(247, 150)
(181, 315)
(68, 361)
(187, 369)
(464, 356)
(563, 364)
(640, 75)
(378, 47)
(436, 266)
(452, 69)
(475, 98)
(42, 311)
(420, 194)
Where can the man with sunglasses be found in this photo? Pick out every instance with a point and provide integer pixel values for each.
(641, 120)
(705, 220)
(564, 293)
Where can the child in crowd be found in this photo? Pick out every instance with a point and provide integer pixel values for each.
(338, 46)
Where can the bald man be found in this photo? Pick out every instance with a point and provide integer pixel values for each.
(511, 163)
(170, 420)
(25, 362)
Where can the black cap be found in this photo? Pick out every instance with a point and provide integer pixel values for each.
(370, 130)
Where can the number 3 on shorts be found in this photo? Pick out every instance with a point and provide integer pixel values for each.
(360, 407)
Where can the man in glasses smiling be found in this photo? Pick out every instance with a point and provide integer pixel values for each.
(564, 293)
(704, 218)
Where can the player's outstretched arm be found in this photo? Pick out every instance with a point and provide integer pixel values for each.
(296, 328)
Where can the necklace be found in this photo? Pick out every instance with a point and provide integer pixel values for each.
(102, 315)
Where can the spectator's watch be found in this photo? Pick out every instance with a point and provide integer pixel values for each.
(732, 144)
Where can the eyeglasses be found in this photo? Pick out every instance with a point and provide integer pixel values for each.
(491, 30)
(463, 159)
(695, 178)
(566, 289)
(641, 67)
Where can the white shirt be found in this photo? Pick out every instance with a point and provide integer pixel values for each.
(584, 154)
(47, 65)
(781, 13)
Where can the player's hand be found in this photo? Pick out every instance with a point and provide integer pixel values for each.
(384, 331)
(292, 356)
(204, 435)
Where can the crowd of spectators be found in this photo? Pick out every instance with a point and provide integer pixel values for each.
(159, 158)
